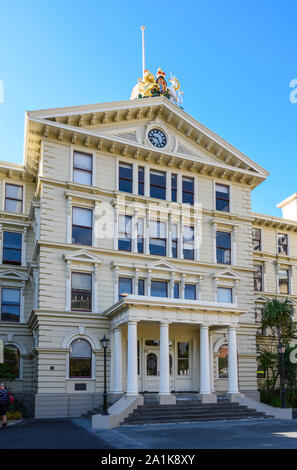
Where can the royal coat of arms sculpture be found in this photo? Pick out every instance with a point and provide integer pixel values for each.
(150, 85)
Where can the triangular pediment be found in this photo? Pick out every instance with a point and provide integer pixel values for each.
(82, 256)
(13, 275)
(119, 128)
(226, 274)
(162, 265)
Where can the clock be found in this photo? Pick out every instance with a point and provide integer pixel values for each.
(157, 138)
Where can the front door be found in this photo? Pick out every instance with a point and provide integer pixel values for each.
(152, 371)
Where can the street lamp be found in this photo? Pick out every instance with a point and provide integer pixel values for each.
(281, 350)
(104, 343)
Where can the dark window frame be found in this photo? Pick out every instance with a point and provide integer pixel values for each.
(183, 358)
(187, 191)
(82, 291)
(282, 247)
(7, 248)
(258, 278)
(90, 360)
(159, 186)
(174, 187)
(257, 242)
(127, 235)
(284, 281)
(223, 249)
(83, 169)
(161, 239)
(222, 198)
(124, 178)
(11, 304)
(14, 199)
(84, 227)
(141, 179)
(119, 283)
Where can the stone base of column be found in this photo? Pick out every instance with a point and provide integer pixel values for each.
(207, 397)
(114, 396)
(233, 396)
(167, 399)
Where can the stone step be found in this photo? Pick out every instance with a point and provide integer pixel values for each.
(180, 406)
(181, 419)
(189, 412)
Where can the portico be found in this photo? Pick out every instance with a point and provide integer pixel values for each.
(168, 348)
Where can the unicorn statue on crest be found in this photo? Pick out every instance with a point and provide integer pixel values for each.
(174, 91)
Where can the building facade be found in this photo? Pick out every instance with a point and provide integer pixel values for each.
(133, 220)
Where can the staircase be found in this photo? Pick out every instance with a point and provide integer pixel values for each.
(188, 408)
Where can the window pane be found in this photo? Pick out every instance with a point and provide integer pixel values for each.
(82, 177)
(158, 289)
(151, 364)
(13, 206)
(222, 197)
(176, 290)
(157, 247)
(82, 161)
(188, 238)
(10, 306)
(173, 188)
(188, 190)
(223, 239)
(82, 217)
(125, 178)
(224, 294)
(183, 359)
(12, 358)
(157, 229)
(14, 192)
(140, 286)
(158, 184)
(125, 231)
(12, 240)
(223, 362)
(125, 286)
(82, 236)
(12, 248)
(141, 180)
(190, 291)
(80, 348)
(81, 281)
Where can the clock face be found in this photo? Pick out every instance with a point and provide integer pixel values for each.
(157, 138)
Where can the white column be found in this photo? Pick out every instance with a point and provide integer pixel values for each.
(204, 361)
(232, 361)
(117, 363)
(132, 380)
(164, 386)
(211, 361)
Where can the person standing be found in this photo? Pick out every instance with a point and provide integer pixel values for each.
(4, 404)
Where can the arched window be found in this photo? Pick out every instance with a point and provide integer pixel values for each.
(223, 362)
(80, 359)
(12, 358)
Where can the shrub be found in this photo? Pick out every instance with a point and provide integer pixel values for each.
(14, 415)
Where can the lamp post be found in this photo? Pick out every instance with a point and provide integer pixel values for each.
(281, 350)
(104, 343)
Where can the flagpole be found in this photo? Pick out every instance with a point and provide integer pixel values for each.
(143, 53)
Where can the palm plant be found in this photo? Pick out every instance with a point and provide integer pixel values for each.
(278, 316)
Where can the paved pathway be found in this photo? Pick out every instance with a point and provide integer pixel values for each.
(243, 434)
(49, 434)
(77, 434)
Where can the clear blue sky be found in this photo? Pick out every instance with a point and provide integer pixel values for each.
(235, 60)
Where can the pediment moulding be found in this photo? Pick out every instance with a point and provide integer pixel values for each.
(274, 223)
(82, 256)
(80, 125)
